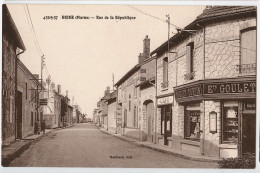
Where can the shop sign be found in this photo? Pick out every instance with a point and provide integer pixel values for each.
(165, 100)
(43, 102)
(250, 106)
(213, 122)
(215, 88)
(189, 92)
(226, 88)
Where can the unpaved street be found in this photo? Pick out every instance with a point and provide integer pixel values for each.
(83, 145)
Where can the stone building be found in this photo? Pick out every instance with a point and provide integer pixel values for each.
(111, 112)
(206, 84)
(136, 98)
(103, 109)
(52, 111)
(12, 47)
(28, 95)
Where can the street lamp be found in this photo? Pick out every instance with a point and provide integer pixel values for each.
(48, 81)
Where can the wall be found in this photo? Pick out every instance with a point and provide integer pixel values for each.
(28, 104)
(8, 88)
(112, 116)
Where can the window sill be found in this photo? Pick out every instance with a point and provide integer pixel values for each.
(228, 145)
(164, 89)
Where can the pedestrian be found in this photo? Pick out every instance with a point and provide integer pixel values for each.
(36, 127)
(43, 125)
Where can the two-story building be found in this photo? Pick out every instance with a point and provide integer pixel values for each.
(28, 95)
(111, 112)
(136, 98)
(12, 47)
(206, 84)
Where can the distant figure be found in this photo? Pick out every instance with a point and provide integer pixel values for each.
(36, 127)
(43, 125)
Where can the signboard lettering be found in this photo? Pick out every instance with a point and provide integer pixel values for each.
(165, 100)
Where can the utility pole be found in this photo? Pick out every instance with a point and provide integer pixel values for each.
(168, 21)
(113, 80)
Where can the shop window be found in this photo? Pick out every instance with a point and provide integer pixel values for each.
(192, 125)
(248, 51)
(230, 122)
(190, 62)
(192, 122)
(165, 73)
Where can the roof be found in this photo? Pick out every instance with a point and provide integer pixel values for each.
(129, 73)
(210, 14)
(112, 95)
(10, 28)
(25, 69)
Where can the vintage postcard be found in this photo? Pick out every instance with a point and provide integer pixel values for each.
(129, 86)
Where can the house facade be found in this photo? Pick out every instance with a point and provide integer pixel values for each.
(111, 112)
(12, 46)
(136, 98)
(206, 84)
(28, 95)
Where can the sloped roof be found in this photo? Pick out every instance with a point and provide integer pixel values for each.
(210, 14)
(10, 28)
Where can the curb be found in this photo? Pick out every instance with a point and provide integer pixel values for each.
(163, 151)
(6, 161)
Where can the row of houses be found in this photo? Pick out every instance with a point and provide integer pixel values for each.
(26, 100)
(196, 91)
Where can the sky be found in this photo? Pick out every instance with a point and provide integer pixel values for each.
(82, 54)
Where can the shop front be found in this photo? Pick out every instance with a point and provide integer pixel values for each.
(219, 116)
(164, 105)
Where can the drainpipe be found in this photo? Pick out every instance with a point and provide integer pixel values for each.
(155, 128)
(203, 101)
(15, 107)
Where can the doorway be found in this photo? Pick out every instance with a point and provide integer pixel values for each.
(19, 114)
(149, 119)
(166, 122)
(248, 133)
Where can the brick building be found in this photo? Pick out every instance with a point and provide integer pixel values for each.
(12, 44)
(206, 84)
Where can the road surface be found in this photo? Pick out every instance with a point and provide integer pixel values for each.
(83, 145)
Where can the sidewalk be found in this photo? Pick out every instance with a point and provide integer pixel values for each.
(165, 149)
(11, 151)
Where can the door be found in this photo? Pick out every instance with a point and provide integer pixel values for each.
(166, 123)
(125, 118)
(149, 117)
(248, 133)
(19, 114)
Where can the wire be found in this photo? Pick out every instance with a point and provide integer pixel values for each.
(37, 43)
(179, 28)
(27, 17)
(155, 17)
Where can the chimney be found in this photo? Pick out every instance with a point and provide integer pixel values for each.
(107, 91)
(59, 88)
(140, 58)
(52, 87)
(146, 52)
(208, 7)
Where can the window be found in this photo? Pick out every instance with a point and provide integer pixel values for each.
(26, 91)
(11, 111)
(33, 95)
(190, 57)
(31, 118)
(165, 70)
(135, 117)
(125, 118)
(192, 122)
(248, 51)
(129, 103)
(230, 122)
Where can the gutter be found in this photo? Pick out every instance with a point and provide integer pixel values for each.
(16, 101)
